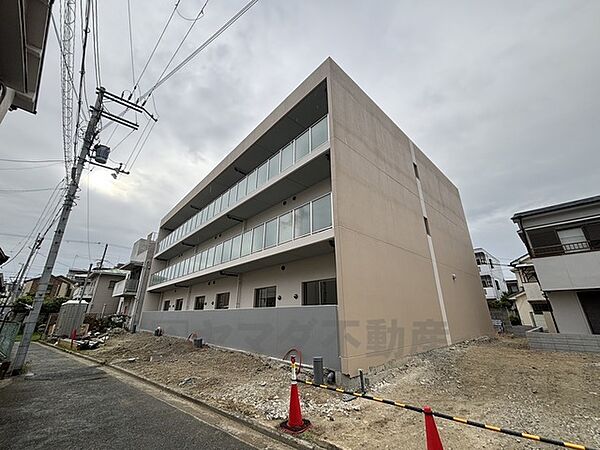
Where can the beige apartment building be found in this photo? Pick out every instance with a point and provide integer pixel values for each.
(326, 230)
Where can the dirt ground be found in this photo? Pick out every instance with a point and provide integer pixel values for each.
(499, 381)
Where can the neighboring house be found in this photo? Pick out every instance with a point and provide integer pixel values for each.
(23, 34)
(327, 230)
(490, 271)
(563, 242)
(58, 287)
(131, 290)
(534, 308)
(99, 291)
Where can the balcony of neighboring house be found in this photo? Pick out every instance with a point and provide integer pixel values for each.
(298, 233)
(125, 288)
(287, 158)
(566, 257)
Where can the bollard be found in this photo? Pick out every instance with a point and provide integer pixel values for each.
(363, 389)
(318, 369)
(431, 433)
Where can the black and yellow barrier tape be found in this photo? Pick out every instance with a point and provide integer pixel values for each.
(533, 437)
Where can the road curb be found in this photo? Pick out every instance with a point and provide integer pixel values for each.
(260, 428)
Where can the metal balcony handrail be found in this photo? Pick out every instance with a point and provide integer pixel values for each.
(561, 249)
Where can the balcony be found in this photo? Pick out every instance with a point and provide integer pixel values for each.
(569, 271)
(562, 249)
(299, 233)
(295, 166)
(125, 288)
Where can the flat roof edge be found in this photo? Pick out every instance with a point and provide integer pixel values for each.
(304, 88)
(557, 207)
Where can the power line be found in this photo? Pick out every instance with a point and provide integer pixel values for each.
(26, 190)
(74, 241)
(31, 161)
(206, 43)
(131, 41)
(162, 33)
(191, 19)
(32, 168)
(190, 28)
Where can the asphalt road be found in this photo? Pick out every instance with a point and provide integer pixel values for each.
(70, 405)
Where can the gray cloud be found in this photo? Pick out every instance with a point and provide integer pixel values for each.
(502, 97)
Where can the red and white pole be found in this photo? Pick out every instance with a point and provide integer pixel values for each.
(295, 423)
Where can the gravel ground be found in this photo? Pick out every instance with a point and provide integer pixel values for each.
(498, 381)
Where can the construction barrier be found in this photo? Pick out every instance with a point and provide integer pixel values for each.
(429, 413)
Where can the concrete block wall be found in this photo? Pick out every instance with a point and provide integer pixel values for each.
(564, 342)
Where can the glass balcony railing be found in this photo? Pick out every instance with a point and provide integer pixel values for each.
(310, 218)
(289, 155)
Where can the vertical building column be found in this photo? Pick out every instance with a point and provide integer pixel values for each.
(436, 275)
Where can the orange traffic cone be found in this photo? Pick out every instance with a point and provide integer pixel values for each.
(295, 423)
(431, 433)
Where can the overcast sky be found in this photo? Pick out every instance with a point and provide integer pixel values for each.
(503, 97)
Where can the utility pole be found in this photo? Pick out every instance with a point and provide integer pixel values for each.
(15, 292)
(32, 317)
(103, 255)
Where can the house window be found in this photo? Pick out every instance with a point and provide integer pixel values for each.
(199, 302)
(111, 284)
(166, 305)
(320, 292)
(265, 297)
(179, 304)
(222, 301)
(486, 281)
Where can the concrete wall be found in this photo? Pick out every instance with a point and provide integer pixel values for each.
(568, 313)
(564, 342)
(288, 282)
(390, 280)
(570, 271)
(268, 331)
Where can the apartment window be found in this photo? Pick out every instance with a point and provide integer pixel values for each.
(111, 284)
(497, 285)
(285, 227)
(271, 233)
(199, 302)
(258, 236)
(480, 259)
(179, 304)
(486, 281)
(321, 213)
(320, 292)
(166, 305)
(247, 243)
(236, 243)
(416, 170)
(222, 301)
(302, 221)
(302, 146)
(226, 251)
(426, 221)
(573, 240)
(287, 157)
(274, 166)
(251, 182)
(265, 297)
(318, 133)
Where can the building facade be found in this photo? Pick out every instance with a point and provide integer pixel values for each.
(563, 242)
(58, 287)
(490, 272)
(131, 291)
(327, 230)
(98, 291)
(530, 301)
